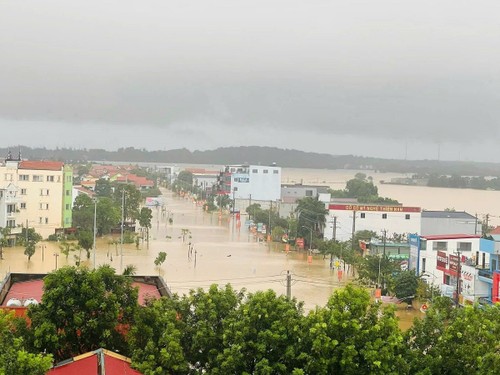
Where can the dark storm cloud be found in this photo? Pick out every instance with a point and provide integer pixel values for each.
(425, 70)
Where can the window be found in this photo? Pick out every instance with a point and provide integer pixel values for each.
(464, 246)
(68, 179)
(255, 171)
(24, 177)
(44, 191)
(11, 208)
(265, 171)
(309, 193)
(23, 206)
(275, 171)
(37, 178)
(8, 176)
(384, 216)
(40, 220)
(67, 206)
(11, 223)
(67, 193)
(23, 191)
(440, 246)
(423, 244)
(44, 206)
(46, 220)
(67, 220)
(407, 217)
(362, 215)
(423, 264)
(50, 178)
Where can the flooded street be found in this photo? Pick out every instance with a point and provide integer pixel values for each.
(221, 253)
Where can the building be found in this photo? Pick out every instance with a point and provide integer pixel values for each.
(97, 362)
(251, 182)
(457, 261)
(448, 222)
(291, 193)
(344, 219)
(36, 194)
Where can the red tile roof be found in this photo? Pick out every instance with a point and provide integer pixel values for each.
(136, 180)
(41, 165)
(89, 364)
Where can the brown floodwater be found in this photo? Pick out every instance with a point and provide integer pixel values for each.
(221, 253)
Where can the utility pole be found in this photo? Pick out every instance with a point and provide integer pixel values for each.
(353, 229)
(288, 285)
(334, 237)
(475, 225)
(384, 238)
(459, 271)
(95, 226)
(121, 233)
(249, 204)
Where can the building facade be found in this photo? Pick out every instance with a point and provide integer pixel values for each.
(40, 195)
(448, 222)
(344, 219)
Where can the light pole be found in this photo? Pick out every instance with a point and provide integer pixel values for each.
(95, 227)
(56, 255)
(427, 273)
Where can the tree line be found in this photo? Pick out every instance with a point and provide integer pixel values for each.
(225, 331)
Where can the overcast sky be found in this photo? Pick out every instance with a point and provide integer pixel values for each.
(375, 78)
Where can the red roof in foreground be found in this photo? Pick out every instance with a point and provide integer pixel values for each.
(451, 236)
(41, 165)
(98, 362)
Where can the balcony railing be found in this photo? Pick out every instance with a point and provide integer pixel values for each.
(485, 273)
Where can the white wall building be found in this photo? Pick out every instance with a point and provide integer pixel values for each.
(255, 182)
(393, 219)
(448, 222)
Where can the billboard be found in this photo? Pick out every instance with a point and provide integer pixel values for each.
(441, 261)
(154, 202)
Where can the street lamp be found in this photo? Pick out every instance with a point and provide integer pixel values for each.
(56, 255)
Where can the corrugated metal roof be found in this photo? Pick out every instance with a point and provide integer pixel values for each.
(447, 215)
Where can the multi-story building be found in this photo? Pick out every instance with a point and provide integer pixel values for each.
(38, 194)
(252, 182)
(462, 262)
(344, 219)
(448, 222)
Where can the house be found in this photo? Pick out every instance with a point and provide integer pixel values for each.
(455, 262)
(97, 362)
(448, 222)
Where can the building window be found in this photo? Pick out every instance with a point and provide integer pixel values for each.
(407, 217)
(67, 193)
(40, 220)
(309, 193)
(67, 220)
(384, 216)
(46, 220)
(44, 191)
(275, 171)
(50, 178)
(440, 246)
(423, 264)
(423, 244)
(67, 206)
(11, 208)
(23, 206)
(24, 177)
(23, 191)
(11, 223)
(37, 178)
(44, 206)
(255, 171)
(265, 171)
(362, 215)
(464, 246)
(8, 176)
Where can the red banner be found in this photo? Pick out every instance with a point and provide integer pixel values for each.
(442, 261)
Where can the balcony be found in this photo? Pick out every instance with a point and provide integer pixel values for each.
(486, 273)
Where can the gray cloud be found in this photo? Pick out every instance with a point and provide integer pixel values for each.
(207, 71)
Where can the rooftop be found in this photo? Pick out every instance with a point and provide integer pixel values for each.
(41, 165)
(447, 215)
(451, 236)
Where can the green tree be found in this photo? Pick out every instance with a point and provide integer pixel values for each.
(145, 217)
(262, 336)
(405, 285)
(29, 249)
(311, 213)
(103, 188)
(378, 270)
(132, 199)
(160, 259)
(14, 358)
(82, 310)
(66, 247)
(83, 213)
(4, 239)
(86, 241)
(352, 336)
(357, 188)
(108, 216)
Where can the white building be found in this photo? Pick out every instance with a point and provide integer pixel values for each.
(448, 222)
(344, 219)
(438, 258)
(252, 182)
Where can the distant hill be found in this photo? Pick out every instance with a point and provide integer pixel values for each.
(259, 155)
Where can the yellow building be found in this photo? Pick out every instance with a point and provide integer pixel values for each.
(42, 198)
